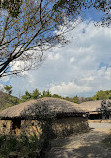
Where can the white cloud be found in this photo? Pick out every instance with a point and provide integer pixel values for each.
(53, 56)
(4, 79)
(1, 87)
(72, 60)
(82, 67)
(108, 74)
(70, 88)
(18, 66)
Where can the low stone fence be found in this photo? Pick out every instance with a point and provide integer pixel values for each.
(60, 127)
(67, 126)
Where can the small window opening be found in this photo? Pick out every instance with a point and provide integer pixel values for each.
(32, 123)
(16, 124)
(4, 125)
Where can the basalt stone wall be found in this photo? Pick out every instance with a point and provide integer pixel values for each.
(60, 127)
(31, 127)
(5, 126)
(28, 127)
(67, 126)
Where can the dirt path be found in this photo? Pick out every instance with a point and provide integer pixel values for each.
(87, 145)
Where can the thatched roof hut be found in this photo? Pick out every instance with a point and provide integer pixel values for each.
(41, 107)
(62, 116)
(91, 106)
(95, 110)
(94, 106)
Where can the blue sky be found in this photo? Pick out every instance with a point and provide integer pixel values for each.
(81, 68)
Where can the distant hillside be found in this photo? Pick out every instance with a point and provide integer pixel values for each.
(7, 100)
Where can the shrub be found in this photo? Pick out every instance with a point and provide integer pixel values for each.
(22, 145)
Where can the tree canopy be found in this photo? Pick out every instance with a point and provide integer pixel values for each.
(30, 27)
(6, 99)
(8, 89)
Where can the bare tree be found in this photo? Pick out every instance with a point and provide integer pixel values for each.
(30, 27)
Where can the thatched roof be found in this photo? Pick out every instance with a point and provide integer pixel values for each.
(43, 106)
(94, 106)
(91, 106)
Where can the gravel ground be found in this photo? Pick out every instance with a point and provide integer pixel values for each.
(86, 145)
(103, 127)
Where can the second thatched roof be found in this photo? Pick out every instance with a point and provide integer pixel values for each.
(91, 106)
(40, 107)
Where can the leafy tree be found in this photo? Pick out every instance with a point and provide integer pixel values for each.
(8, 89)
(46, 93)
(76, 99)
(36, 94)
(100, 95)
(56, 96)
(27, 96)
(30, 27)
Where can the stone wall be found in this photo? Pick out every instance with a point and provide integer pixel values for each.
(70, 125)
(60, 127)
(31, 127)
(5, 126)
(28, 127)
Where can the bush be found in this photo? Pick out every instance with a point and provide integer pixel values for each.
(23, 146)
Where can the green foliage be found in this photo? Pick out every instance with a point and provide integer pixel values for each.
(68, 98)
(57, 96)
(7, 100)
(27, 96)
(8, 89)
(102, 95)
(76, 99)
(46, 94)
(27, 146)
(36, 94)
(23, 145)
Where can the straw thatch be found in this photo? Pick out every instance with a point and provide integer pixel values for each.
(40, 107)
(94, 106)
(91, 106)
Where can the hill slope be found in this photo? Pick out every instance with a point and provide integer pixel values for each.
(7, 100)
